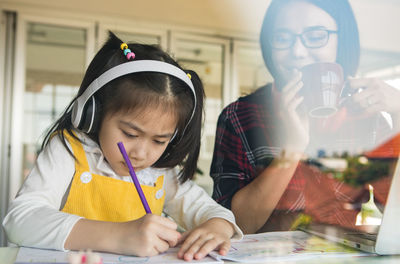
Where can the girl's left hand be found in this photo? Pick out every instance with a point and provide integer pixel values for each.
(376, 95)
(213, 234)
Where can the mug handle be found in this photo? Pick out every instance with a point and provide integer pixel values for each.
(346, 94)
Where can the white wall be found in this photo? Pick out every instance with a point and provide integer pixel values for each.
(379, 22)
(235, 15)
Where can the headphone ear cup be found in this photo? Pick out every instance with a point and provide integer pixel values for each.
(88, 116)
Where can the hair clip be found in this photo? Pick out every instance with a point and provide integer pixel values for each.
(127, 52)
(188, 75)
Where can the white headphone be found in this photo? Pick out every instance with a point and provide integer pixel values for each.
(84, 108)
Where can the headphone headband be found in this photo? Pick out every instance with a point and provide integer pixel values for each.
(124, 69)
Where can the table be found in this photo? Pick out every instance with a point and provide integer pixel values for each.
(8, 255)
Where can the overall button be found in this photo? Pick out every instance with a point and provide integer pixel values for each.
(86, 177)
(159, 193)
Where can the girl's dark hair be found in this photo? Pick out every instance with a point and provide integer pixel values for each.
(348, 53)
(138, 91)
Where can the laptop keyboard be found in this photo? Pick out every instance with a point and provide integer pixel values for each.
(368, 236)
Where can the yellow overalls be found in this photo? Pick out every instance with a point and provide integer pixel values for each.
(98, 197)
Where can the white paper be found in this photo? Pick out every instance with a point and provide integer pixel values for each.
(255, 248)
(33, 255)
(284, 246)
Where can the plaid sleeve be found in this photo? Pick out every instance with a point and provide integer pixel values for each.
(230, 167)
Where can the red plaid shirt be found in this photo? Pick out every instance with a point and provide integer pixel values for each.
(245, 145)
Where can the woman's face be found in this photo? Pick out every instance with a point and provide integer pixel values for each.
(296, 18)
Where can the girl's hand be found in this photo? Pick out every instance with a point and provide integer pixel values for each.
(375, 95)
(296, 128)
(147, 236)
(213, 234)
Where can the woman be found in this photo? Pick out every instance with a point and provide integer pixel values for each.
(261, 138)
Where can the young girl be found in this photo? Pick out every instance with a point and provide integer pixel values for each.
(79, 194)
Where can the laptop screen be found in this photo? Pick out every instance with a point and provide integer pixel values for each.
(346, 173)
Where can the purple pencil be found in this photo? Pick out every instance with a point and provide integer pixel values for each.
(134, 178)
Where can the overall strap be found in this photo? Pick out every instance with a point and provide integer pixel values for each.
(79, 152)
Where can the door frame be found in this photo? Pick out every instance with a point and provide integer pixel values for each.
(23, 19)
(7, 43)
(236, 45)
(226, 42)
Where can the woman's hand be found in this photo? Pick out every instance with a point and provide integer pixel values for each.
(147, 236)
(296, 127)
(213, 234)
(375, 95)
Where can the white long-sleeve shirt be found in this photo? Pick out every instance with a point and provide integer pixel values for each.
(34, 218)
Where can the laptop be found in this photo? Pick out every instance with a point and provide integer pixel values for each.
(383, 239)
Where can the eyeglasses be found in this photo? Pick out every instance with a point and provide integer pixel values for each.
(313, 38)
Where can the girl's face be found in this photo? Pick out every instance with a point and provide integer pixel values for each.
(296, 18)
(145, 135)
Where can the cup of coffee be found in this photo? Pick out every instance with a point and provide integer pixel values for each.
(323, 85)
